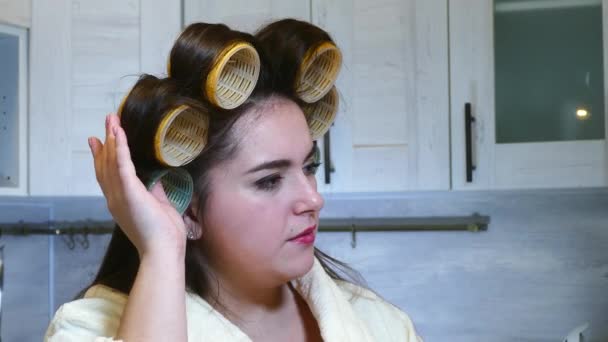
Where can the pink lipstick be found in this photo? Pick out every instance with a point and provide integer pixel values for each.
(306, 237)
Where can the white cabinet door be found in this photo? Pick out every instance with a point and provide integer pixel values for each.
(392, 130)
(244, 15)
(528, 69)
(85, 55)
(16, 12)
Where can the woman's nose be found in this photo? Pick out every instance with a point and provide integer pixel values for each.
(308, 199)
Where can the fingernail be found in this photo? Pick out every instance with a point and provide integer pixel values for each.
(107, 120)
(115, 130)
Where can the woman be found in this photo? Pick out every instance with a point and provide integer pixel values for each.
(240, 263)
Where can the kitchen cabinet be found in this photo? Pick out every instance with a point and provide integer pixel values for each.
(392, 130)
(411, 69)
(532, 75)
(85, 56)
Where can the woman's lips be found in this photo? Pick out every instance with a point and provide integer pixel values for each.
(307, 237)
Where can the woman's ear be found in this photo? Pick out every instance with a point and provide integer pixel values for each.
(194, 229)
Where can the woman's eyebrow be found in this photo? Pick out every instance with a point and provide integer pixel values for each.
(274, 164)
(279, 163)
(311, 153)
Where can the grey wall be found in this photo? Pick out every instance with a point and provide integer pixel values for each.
(539, 271)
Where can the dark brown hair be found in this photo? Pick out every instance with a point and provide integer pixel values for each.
(121, 262)
(141, 112)
(195, 51)
(288, 41)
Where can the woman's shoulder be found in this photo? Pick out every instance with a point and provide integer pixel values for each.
(383, 318)
(86, 319)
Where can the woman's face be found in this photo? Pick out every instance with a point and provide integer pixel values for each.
(264, 199)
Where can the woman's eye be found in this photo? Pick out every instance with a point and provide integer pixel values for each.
(269, 183)
(311, 168)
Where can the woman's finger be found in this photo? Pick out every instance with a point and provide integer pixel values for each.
(95, 144)
(96, 148)
(110, 151)
(158, 191)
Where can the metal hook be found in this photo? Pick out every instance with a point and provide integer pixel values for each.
(353, 236)
(84, 241)
(69, 241)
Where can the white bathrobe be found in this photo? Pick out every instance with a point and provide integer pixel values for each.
(340, 315)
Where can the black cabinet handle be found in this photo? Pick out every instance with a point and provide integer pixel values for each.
(468, 122)
(327, 158)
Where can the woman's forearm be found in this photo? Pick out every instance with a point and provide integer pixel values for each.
(156, 308)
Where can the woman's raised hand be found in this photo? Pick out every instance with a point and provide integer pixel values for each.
(146, 217)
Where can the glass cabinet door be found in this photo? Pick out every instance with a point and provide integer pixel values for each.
(528, 94)
(549, 75)
(13, 110)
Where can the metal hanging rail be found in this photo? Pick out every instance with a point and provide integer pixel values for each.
(69, 229)
(473, 223)
(57, 228)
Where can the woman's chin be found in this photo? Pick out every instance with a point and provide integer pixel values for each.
(296, 266)
(302, 265)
